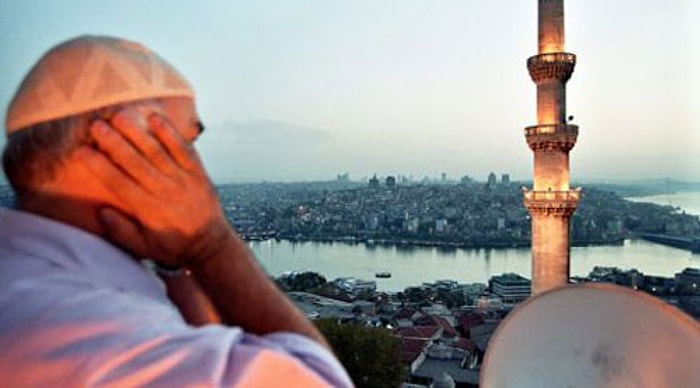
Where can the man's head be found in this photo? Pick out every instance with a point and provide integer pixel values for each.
(76, 82)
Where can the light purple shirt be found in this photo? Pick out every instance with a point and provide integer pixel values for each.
(76, 311)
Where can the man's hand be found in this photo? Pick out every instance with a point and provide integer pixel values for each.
(171, 213)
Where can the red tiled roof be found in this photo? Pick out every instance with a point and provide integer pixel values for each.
(404, 313)
(465, 344)
(411, 348)
(469, 320)
(445, 324)
(431, 320)
(424, 332)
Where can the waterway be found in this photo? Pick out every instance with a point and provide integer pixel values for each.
(686, 201)
(413, 266)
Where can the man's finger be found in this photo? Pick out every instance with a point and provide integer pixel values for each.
(123, 154)
(123, 231)
(121, 184)
(173, 142)
(132, 124)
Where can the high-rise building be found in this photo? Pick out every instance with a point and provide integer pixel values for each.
(551, 202)
(505, 179)
(374, 182)
(491, 181)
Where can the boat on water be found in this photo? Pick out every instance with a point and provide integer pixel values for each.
(383, 274)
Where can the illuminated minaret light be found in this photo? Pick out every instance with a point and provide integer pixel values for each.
(551, 202)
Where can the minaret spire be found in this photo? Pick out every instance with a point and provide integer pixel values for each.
(551, 202)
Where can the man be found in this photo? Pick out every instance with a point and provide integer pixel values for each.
(100, 155)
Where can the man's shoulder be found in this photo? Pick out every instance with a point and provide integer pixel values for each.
(35, 291)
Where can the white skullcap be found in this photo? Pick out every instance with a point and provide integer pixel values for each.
(88, 73)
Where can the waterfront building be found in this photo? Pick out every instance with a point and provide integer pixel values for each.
(511, 288)
(355, 286)
(688, 281)
(551, 202)
(440, 225)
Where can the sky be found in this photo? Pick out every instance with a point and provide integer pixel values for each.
(294, 90)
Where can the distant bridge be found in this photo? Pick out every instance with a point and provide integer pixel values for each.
(687, 243)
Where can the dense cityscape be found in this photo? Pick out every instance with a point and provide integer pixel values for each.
(435, 332)
(441, 327)
(466, 214)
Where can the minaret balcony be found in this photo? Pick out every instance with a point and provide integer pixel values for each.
(551, 137)
(562, 202)
(551, 66)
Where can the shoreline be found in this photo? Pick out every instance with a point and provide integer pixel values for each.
(410, 244)
(671, 199)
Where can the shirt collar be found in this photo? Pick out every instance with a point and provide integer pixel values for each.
(74, 249)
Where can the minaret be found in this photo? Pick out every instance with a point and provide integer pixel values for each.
(551, 202)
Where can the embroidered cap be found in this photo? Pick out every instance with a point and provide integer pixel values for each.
(88, 73)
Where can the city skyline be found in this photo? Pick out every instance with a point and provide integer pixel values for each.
(306, 90)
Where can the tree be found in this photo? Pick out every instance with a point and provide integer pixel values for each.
(370, 355)
(305, 281)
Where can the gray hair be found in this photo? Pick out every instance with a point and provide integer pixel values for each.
(33, 155)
